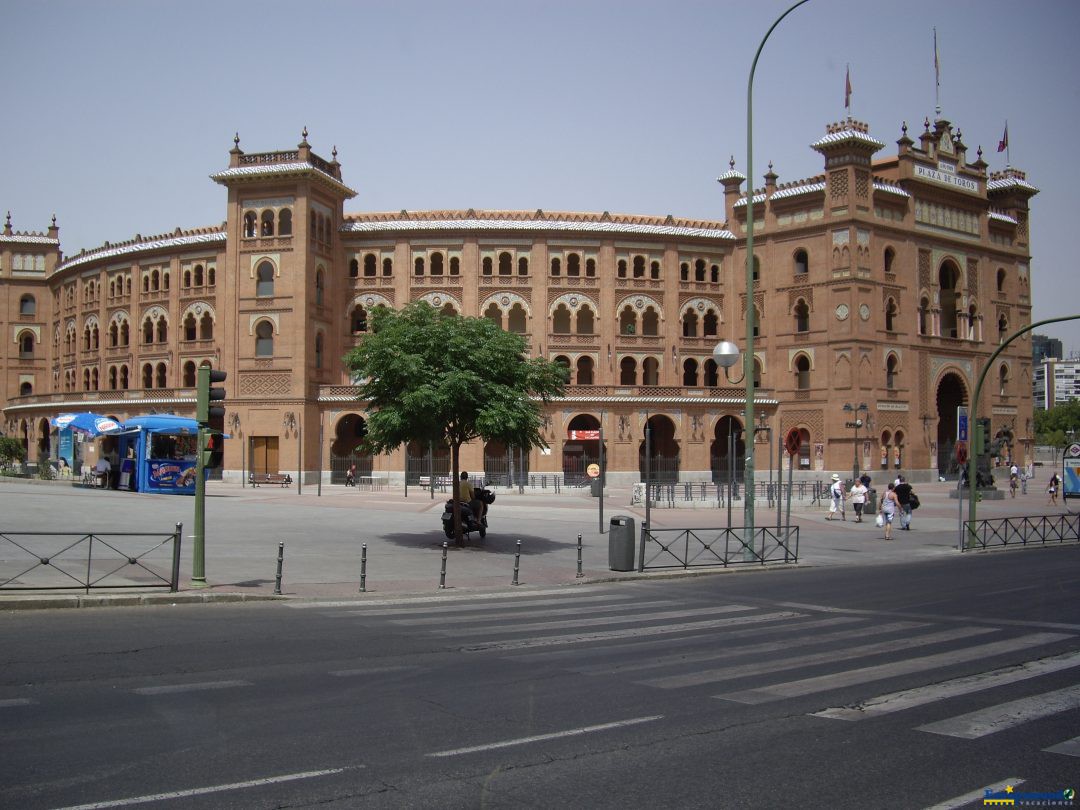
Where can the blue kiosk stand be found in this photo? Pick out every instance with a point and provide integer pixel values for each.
(158, 453)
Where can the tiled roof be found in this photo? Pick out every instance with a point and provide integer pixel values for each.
(1001, 217)
(1010, 182)
(795, 191)
(888, 188)
(758, 198)
(846, 135)
(515, 221)
(29, 239)
(278, 169)
(141, 246)
(731, 174)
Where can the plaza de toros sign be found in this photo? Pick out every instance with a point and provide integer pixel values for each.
(946, 178)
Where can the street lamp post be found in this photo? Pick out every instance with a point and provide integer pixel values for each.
(748, 364)
(857, 423)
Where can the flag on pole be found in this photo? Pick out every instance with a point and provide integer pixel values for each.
(847, 89)
(937, 64)
(1003, 144)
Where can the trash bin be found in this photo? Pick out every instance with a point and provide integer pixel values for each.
(596, 485)
(621, 543)
(871, 501)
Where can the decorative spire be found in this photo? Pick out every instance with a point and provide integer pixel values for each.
(903, 128)
(236, 140)
(926, 124)
(333, 152)
(731, 163)
(303, 137)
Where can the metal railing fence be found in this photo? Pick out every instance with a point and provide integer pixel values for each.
(699, 548)
(1021, 531)
(48, 561)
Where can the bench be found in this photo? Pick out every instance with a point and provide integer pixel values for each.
(283, 479)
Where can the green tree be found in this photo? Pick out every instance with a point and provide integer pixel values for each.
(11, 449)
(1059, 425)
(430, 377)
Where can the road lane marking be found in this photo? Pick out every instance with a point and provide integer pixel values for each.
(632, 632)
(593, 622)
(993, 719)
(921, 695)
(852, 677)
(829, 656)
(360, 609)
(572, 732)
(202, 791)
(189, 687)
(562, 591)
(348, 673)
(577, 610)
(957, 802)
(1070, 748)
(679, 659)
(4, 704)
(896, 614)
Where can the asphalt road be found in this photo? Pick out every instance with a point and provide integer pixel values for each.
(898, 686)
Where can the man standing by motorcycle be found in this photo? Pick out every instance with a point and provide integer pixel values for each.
(467, 494)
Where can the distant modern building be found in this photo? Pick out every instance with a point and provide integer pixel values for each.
(1056, 381)
(882, 284)
(1045, 347)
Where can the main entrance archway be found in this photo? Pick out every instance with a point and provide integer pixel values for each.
(582, 448)
(345, 450)
(951, 394)
(663, 451)
(720, 460)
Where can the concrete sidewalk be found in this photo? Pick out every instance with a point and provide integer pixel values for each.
(324, 535)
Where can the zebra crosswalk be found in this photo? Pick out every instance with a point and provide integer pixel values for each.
(739, 653)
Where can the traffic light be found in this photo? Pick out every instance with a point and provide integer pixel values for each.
(982, 437)
(214, 451)
(206, 394)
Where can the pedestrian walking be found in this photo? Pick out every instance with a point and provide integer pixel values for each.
(858, 499)
(836, 498)
(903, 498)
(889, 508)
(1052, 489)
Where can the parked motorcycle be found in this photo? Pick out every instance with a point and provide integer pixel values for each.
(469, 520)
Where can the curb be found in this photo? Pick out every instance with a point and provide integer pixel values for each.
(49, 602)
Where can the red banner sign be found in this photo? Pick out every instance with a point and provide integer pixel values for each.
(585, 435)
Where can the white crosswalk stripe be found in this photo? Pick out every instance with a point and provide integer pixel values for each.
(594, 621)
(1006, 715)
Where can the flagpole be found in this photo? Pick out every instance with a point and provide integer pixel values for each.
(937, 77)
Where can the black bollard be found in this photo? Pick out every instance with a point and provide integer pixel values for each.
(579, 574)
(363, 568)
(280, 562)
(517, 562)
(442, 576)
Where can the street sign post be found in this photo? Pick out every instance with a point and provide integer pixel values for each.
(961, 423)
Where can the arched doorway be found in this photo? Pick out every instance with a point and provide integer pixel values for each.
(345, 450)
(582, 448)
(663, 451)
(951, 394)
(504, 466)
(720, 461)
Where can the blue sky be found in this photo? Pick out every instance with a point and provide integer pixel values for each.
(116, 112)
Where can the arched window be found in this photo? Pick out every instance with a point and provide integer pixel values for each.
(556, 266)
(757, 269)
(590, 268)
(354, 268)
(517, 319)
(147, 376)
(191, 327)
(148, 331)
(124, 377)
(560, 321)
(165, 280)
(523, 266)
(285, 222)
(264, 339)
(650, 371)
(320, 287)
(710, 373)
(757, 373)
(189, 374)
(155, 280)
(1001, 279)
(455, 266)
(264, 279)
(27, 305)
(890, 371)
(948, 281)
(318, 350)
(494, 314)
(185, 280)
(714, 274)
(628, 371)
(369, 265)
(564, 361)
(160, 377)
(26, 389)
(621, 268)
(689, 323)
(249, 224)
(654, 270)
(684, 271)
(699, 270)
(1003, 328)
(358, 320)
(573, 265)
(973, 319)
(206, 327)
(628, 321)
(387, 266)
(585, 321)
(1003, 380)
(210, 276)
(114, 335)
(26, 345)
(125, 333)
(890, 256)
(650, 322)
(585, 371)
(924, 312)
(487, 266)
(890, 315)
(757, 321)
(418, 266)
(506, 264)
(802, 372)
(112, 378)
(436, 264)
(162, 330)
(802, 263)
(710, 323)
(690, 372)
(802, 317)
(145, 285)
(86, 379)
(198, 277)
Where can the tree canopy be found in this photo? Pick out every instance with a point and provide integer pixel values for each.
(1054, 426)
(447, 379)
(11, 449)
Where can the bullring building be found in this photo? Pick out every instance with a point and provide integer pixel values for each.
(884, 282)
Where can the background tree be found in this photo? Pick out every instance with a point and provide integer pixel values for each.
(1058, 426)
(11, 450)
(445, 379)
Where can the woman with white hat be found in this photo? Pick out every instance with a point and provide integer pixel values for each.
(836, 491)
